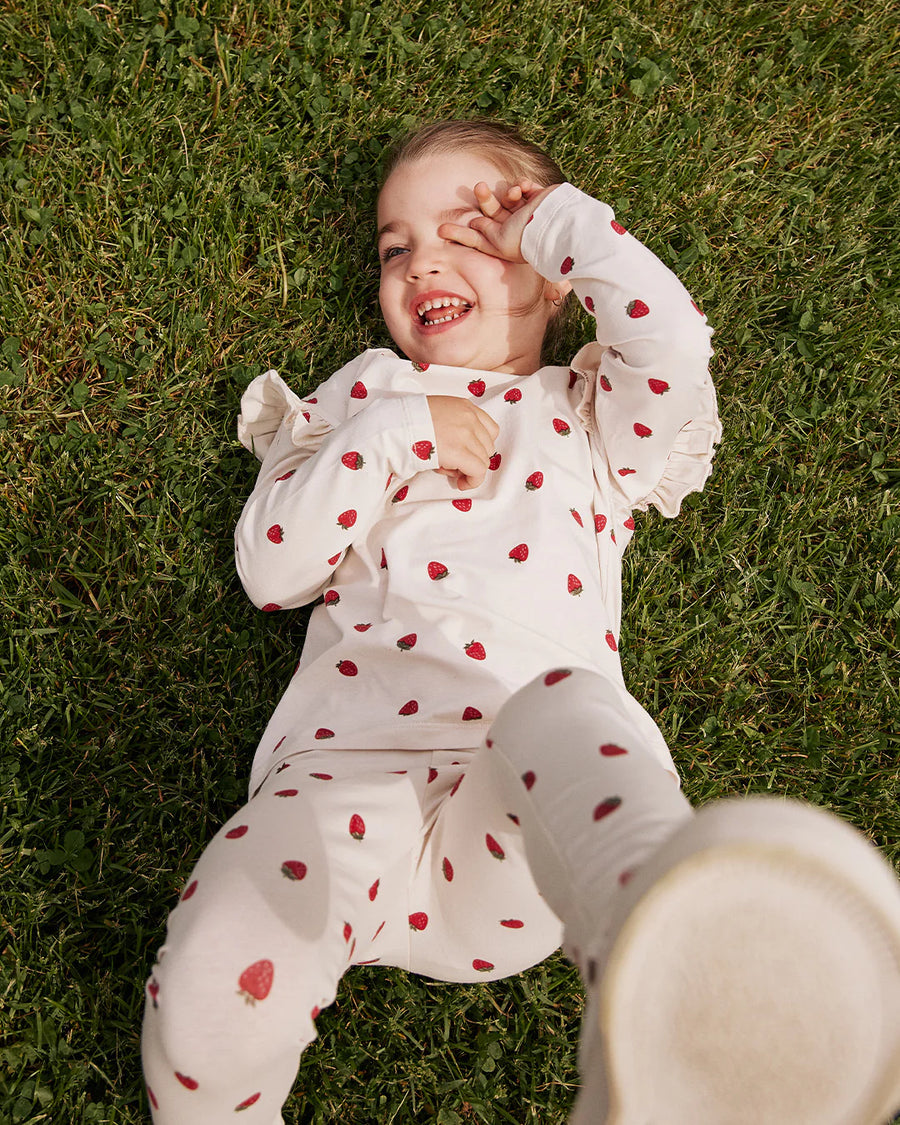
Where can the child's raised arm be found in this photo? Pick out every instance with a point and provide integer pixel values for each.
(653, 409)
(323, 478)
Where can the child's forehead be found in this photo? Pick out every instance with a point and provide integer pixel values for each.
(444, 179)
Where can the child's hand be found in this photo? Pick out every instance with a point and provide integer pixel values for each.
(465, 437)
(498, 229)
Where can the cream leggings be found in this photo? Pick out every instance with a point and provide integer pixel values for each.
(460, 865)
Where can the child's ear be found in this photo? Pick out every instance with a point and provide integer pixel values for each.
(555, 291)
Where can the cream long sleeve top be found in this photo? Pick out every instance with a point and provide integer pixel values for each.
(437, 604)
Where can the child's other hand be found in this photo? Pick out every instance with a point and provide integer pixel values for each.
(498, 229)
(465, 437)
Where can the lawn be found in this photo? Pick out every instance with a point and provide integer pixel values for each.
(185, 200)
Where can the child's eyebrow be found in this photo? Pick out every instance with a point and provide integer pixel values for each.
(451, 215)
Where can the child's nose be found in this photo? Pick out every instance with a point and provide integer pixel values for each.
(425, 260)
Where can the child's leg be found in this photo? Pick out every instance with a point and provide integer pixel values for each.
(741, 964)
(310, 876)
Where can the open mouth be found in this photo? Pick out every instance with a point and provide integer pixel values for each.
(441, 310)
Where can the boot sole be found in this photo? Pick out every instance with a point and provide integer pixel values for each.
(756, 981)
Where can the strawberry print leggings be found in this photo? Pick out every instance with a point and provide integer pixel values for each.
(460, 865)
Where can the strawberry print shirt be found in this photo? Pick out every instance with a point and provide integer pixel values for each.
(435, 604)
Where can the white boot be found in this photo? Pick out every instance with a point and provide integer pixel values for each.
(754, 978)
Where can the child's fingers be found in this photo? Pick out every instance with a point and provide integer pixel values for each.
(468, 236)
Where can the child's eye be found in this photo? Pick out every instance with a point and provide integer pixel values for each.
(391, 252)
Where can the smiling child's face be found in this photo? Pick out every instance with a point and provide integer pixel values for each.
(445, 303)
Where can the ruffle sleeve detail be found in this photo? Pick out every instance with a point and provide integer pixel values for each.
(268, 404)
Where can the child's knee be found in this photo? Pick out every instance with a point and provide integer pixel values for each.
(552, 703)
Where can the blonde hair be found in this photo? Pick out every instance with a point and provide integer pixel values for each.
(511, 154)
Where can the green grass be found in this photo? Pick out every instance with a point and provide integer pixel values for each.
(185, 197)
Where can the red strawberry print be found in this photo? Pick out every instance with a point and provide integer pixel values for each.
(347, 519)
(353, 460)
(189, 891)
(512, 923)
(383, 560)
(420, 366)
(332, 597)
(494, 462)
(576, 517)
(270, 607)
(348, 931)
(278, 743)
(457, 784)
(606, 807)
(323, 776)
(617, 227)
(378, 931)
(519, 553)
(611, 640)
(625, 472)
(188, 1083)
(561, 427)
(153, 989)
(513, 817)
(554, 677)
(373, 890)
(236, 833)
(247, 1102)
(152, 1098)
(599, 523)
(363, 627)
(462, 505)
(567, 264)
(471, 713)
(305, 414)
(610, 750)
(346, 668)
(255, 982)
(482, 966)
(287, 476)
(528, 778)
(658, 386)
(589, 304)
(637, 308)
(437, 570)
(400, 494)
(625, 878)
(574, 585)
(357, 827)
(409, 708)
(475, 649)
(573, 378)
(293, 869)
(418, 921)
(605, 384)
(334, 560)
(514, 395)
(432, 775)
(447, 868)
(641, 430)
(311, 401)
(287, 792)
(535, 481)
(358, 390)
(697, 307)
(629, 523)
(324, 732)
(493, 847)
(275, 533)
(423, 450)
(407, 642)
(284, 766)
(476, 387)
